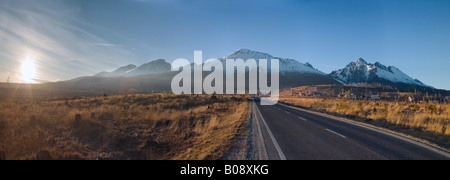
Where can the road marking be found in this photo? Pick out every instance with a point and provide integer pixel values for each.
(375, 129)
(336, 133)
(275, 142)
(302, 119)
(287, 112)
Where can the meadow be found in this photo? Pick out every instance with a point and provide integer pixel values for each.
(150, 127)
(427, 121)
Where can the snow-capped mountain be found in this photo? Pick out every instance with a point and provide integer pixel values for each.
(153, 67)
(363, 72)
(286, 65)
(292, 72)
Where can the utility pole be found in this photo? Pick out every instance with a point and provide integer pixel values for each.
(7, 81)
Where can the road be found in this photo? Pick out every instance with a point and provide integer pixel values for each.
(288, 133)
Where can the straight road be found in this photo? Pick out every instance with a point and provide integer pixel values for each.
(294, 134)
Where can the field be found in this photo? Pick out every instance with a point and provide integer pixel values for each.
(427, 121)
(152, 127)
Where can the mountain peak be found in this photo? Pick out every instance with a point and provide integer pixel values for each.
(156, 66)
(130, 65)
(361, 62)
(118, 72)
(363, 72)
(158, 61)
(243, 50)
(246, 54)
(286, 65)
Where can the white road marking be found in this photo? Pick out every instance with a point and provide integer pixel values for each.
(401, 137)
(302, 119)
(275, 142)
(287, 112)
(336, 133)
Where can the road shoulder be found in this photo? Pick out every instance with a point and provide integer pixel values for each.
(256, 144)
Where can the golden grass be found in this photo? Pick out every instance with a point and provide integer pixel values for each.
(159, 126)
(427, 121)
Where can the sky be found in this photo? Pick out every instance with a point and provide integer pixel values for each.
(66, 39)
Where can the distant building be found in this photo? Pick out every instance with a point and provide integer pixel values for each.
(411, 99)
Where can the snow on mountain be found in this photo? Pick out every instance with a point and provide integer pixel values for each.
(363, 72)
(160, 65)
(292, 72)
(286, 65)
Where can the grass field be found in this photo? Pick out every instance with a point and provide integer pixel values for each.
(428, 121)
(158, 126)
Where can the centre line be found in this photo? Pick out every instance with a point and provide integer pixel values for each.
(336, 133)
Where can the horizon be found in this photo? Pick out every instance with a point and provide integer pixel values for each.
(48, 41)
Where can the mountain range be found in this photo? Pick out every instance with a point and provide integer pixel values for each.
(156, 75)
(153, 67)
(363, 72)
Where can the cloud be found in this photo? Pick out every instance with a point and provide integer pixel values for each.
(106, 45)
(54, 34)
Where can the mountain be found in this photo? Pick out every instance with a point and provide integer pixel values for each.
(363, 72)
(122, 71)
(156, 76)
(153, 67)
(286, 65)
(292, 72)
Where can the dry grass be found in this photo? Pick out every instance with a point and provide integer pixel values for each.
(159, 126)
(427, 121)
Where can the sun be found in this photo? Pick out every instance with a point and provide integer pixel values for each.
(28, 70)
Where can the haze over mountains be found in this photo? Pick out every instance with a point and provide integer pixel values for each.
(153, 67)
(161, 66)
(156, 76)
(292, 72)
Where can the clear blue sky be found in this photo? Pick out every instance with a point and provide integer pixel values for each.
(72, 38)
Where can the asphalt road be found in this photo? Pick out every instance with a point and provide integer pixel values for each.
(294, 134)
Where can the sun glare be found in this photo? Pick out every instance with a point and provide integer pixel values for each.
(28, 70)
